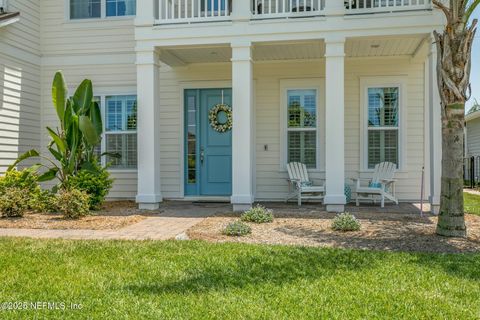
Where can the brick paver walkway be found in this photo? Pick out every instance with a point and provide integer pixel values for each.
(174, 218)
(152, 228)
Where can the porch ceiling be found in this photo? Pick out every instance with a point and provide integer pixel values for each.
(304, 50)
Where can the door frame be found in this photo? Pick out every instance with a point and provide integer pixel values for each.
(192, 85)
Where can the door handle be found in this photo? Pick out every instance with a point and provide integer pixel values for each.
(202, 155)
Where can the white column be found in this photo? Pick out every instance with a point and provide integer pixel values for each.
(146, 12)
(334, 7)
(242, 135)
(335, 117)
(241, 10)
(148, 131)
(435, 133)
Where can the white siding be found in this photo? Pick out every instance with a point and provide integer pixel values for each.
(473, 137)
(19, 83)
(270, 176)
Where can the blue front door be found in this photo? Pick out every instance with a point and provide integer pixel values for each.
(208, 153)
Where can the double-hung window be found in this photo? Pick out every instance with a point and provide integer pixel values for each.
(302, 126)
(96, 9)
(121, 131)
(383, 130)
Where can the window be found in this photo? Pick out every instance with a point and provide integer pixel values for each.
(302, 127)
(96, 9)
(383, 125)
(85, 9)
(117, 8)
(121, 131)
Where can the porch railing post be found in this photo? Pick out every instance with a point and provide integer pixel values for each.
(241, 10)
(147, 11)
(242, 136)
(335, 199)
(148, 132)
(334, 7)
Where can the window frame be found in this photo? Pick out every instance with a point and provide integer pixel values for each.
(103, 95)
(367, 83)
(103, 14)
(287, 85)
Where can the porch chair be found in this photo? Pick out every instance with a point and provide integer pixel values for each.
(382, 184)
(302, 186)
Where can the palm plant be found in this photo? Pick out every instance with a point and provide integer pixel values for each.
(73, 143)
(454, 50)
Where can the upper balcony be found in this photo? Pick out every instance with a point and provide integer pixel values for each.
(198, 11)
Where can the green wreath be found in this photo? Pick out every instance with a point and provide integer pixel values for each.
(215, 123)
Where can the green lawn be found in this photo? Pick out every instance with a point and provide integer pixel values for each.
(198, 280)
(472, 203)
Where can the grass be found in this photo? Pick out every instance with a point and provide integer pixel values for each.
(198, 280)
(472, 203)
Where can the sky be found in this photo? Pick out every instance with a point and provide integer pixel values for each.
(475, 76)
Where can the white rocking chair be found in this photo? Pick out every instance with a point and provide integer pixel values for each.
(382, 184)
(303, 187)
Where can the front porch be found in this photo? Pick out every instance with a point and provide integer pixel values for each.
(263, 78)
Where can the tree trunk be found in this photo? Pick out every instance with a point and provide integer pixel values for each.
(451, 220)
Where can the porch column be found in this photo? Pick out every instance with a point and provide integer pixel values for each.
(148, 131)
(435, 132)
(334, 7)
(242, 135)
(335, 133)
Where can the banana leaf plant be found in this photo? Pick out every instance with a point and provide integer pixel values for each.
(73, 143)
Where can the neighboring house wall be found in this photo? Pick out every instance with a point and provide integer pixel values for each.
(19, 83)
(101, 50)
(473, 137)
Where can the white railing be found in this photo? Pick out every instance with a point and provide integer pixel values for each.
(287, 8)
(373, 6)
(185, 11)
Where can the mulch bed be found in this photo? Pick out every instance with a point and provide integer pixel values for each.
(380, 231)
(113, 216)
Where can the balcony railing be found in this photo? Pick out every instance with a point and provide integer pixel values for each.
(264, 9)
(377, 6)
(185, 11)
(189, 11)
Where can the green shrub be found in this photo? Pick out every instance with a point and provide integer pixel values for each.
(73, 203)
(43, 202)
(258, 214)
(25, 180)
(345, 222)
(96, 184)
(237, 229)
(13, 202)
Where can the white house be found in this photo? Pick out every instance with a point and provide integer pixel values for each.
(472, 137)
(338, 85)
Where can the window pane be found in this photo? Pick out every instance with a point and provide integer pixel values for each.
(382, 146)
(302, 108)
(302, 147)
(85, 9)
(383, 107)
(113, 114)
(126, 146)
(131, 110)
(117, 8)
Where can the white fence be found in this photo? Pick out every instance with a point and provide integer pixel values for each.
(184, 11)
(373, 6)
(287, 8)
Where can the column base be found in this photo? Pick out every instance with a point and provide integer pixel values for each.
(149, 201)
(242, 202)
(435, 205)
(335, 208)
(335, 203)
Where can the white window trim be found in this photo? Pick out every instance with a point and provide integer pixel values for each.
(382, 82)
(317, 84)
(102, 95)
(103, 14)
